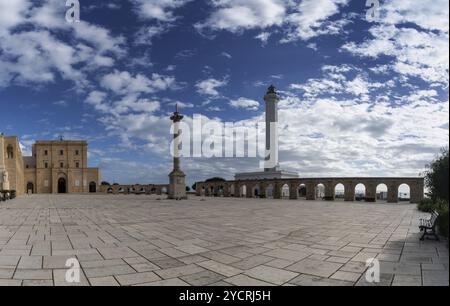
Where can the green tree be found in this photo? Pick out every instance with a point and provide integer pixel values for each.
(436, 177)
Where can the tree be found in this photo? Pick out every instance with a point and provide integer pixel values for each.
(194, 187)
(188, 188)
(105, 183)
(436, 177)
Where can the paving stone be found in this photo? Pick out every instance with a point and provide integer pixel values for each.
(407, 280)
(43, 274)
(310, 281)
(137, 278)
(173, 282)
(315, 267)
(30, 262)
(107, 281)
(271, 275)
(202, 278)
(244, 280)
(179, 271)
(220, 268)
(346, 276)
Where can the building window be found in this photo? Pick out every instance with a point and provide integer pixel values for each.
(61, 152)
(10, 151)
(27, 166)
(45, 165)
(77, 152)
(46, 152)
(77, 165)
(61, 165)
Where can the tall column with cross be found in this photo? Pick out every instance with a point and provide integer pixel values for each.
(177, 186)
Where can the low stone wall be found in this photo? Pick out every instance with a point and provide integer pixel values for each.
(307, 187)
(135, 189)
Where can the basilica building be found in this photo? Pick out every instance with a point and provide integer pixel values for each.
(55, 167)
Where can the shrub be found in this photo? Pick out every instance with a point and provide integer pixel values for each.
(426, 205)
(443, 222)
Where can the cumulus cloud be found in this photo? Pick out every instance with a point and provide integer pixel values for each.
(236, 15)
(122, 82)
(245, 103)
(209, 86)
(295, 19)
(161, 10)
(419, 51)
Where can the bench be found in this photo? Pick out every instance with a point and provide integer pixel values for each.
(428, 226)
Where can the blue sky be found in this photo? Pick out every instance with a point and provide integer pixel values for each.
(358, 97)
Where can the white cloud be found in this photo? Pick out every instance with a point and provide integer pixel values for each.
(263, 37)
(161, 10)
(245, 103)
(293, 18)
(309, 19)
(415, 37)
(237, 15)
(125, 83)
(209, 86)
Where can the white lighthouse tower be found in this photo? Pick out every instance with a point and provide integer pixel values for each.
(271, 165)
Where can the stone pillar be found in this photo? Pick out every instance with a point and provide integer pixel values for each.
(329, 191)
(177, 186)
(371, 192)
(226, 191)
(271, 99)
(262, 191)
(392, 193)
(417, 191)
(310, 191)
(349, 192)
(277, 190)
(293, 191)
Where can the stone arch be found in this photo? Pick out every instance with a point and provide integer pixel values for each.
(243, 191)
(121, 190)
(360, 192)
(10, 152)
(256, 191)
(285, 191)
(270, 191)
(164, 190)
(382, 192)
(109, 190)
(92, 187)
(301, 191)
(339, 192)
(30, 187)
(404, 193)
(232, 190)
(62, 185)
(320, 191)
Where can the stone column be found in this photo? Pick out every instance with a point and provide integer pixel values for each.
(349, 192)
(293, 191)
(392, 193)
(417, 191)
(371, 192)
(310, 191)
(177, 186)
(329, 191)
(277, 191)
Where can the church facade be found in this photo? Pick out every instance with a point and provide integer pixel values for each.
(59, 166)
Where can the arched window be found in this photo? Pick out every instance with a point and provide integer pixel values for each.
(10, 151)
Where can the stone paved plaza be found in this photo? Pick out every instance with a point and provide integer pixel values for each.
(142, 240)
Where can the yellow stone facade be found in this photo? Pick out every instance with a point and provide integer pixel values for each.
(55, 167)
